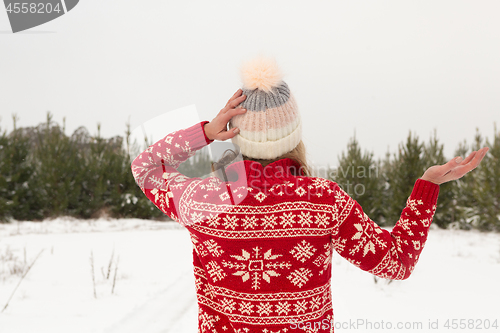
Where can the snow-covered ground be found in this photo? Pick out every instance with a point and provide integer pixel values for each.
(458, 277)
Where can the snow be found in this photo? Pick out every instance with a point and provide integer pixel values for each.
(456, 278)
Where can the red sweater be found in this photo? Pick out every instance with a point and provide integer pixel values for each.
(263, 241)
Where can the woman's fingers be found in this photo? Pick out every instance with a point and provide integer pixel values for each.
(234, 103)
(469, 158)
(455, 168)
(469, 164)
(223, 119)
(474, 162)
(225, 135)
(219, 123)
(236, 95)
(231, 113)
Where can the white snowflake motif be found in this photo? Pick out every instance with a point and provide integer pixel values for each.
(300, 306)
(257, 266)
(340, 197)
(230, 222)
(315, 303)
(299, 277)
(287, 219)
(264, 308)
(209, 292)
(321, 183)
(305, 218)
(300, 191)
(283, 308)
(303, 251)
(213, 220)
(214, 248)
(207, 321)
(412, 204)
(246, 307)
(269, 221)
(260, 196)
(228, 305)
(322, 220)
(198, 246)
(216, 272)
(249, 222)
(367, 235)
(197, 217)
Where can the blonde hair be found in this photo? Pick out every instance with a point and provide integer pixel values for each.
(298, 154)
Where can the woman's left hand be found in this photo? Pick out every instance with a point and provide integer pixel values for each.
(456, 168)
(217, 128)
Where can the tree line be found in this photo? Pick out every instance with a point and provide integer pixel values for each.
(46, 173)
(382, 186)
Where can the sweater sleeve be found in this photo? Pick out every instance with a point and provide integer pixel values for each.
(155, 169)
(390, 255)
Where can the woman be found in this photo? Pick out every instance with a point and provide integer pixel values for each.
(263, 236)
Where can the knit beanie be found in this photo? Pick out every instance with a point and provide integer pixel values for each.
(271, 126)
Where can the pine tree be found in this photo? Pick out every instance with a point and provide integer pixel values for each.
(477, 192)
(4, 165)
(130, 201)
(18, 196)
(58, 169)
(358, 175)
(486, 185)
(408, 165)
(387, 190)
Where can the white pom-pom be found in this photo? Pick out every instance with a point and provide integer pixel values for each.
(261, 73)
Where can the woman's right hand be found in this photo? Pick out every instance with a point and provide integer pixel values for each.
(456, 168)
(217, 128)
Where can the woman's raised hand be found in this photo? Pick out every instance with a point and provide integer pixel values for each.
(217, 128)
(455, 168)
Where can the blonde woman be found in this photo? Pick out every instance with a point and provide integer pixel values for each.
(264, 233)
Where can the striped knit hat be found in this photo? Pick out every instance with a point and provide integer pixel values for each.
(271, 126)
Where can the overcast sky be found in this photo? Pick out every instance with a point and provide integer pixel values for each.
(377, 68)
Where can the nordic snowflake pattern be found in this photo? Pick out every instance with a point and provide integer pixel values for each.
(265, 262)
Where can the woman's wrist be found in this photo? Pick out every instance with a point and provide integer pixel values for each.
(208, 133)
(429, 180)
